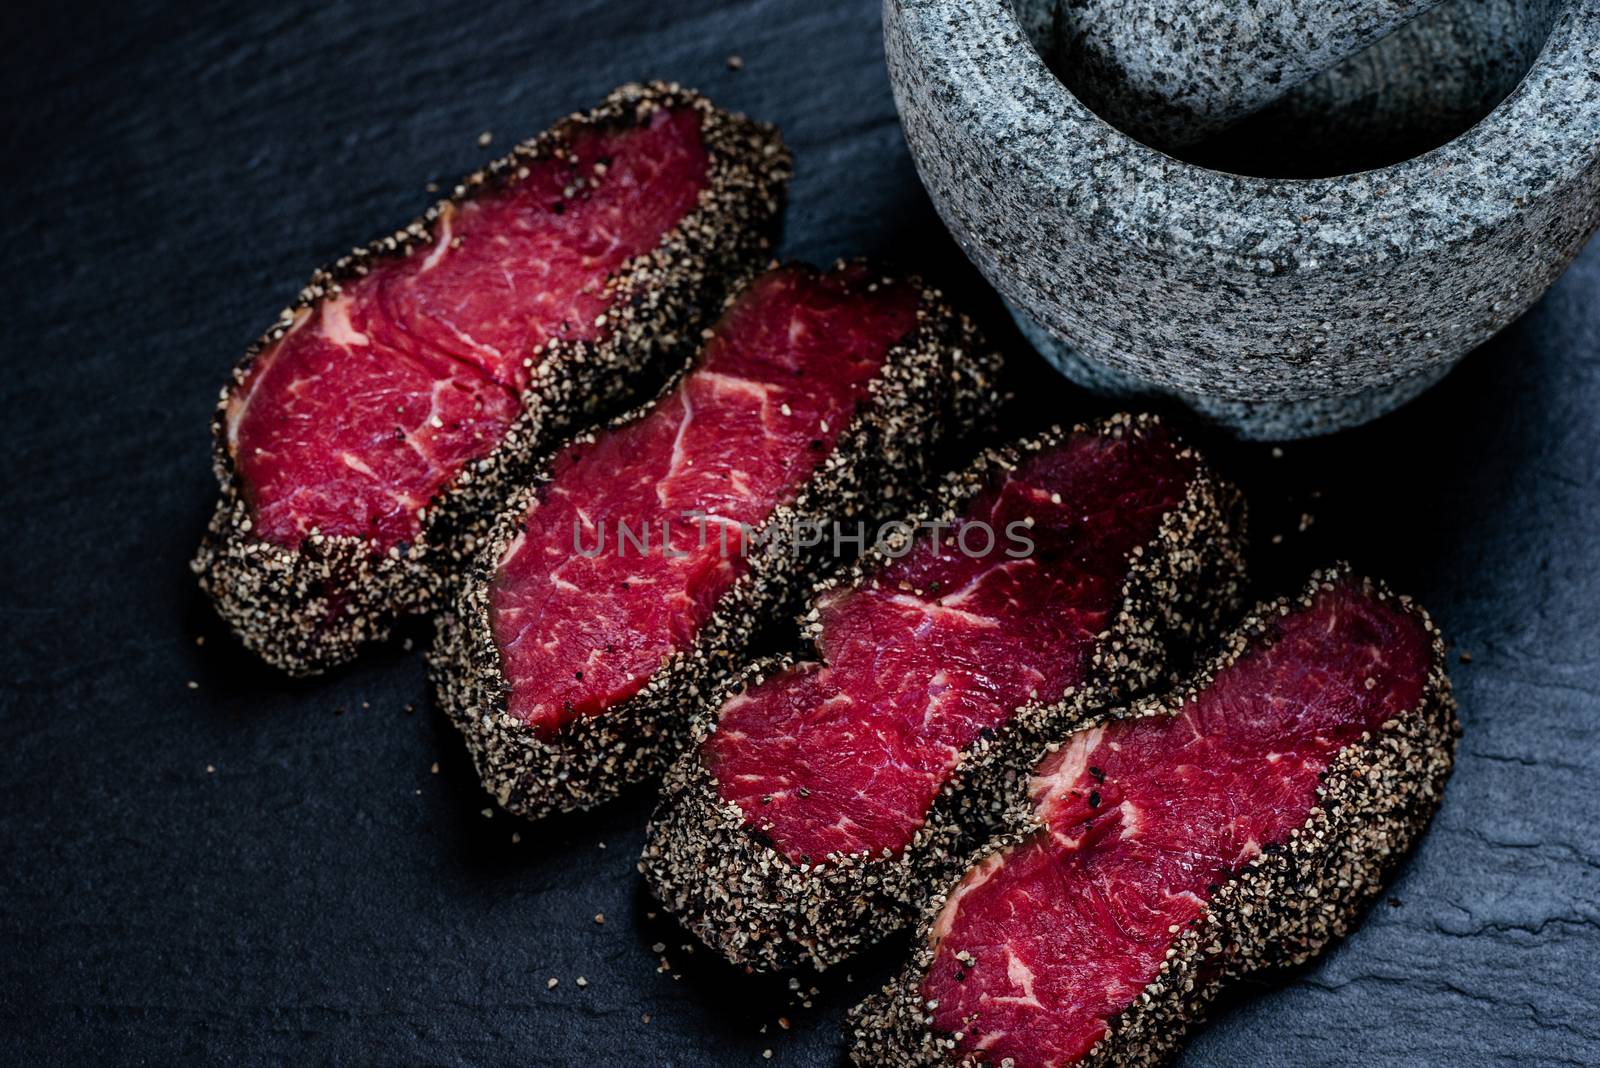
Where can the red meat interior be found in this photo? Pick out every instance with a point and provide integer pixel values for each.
(1040, 946)
(582, 613)
(372, 403)
(845, 755)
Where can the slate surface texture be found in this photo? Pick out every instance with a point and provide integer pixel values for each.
(202, 861)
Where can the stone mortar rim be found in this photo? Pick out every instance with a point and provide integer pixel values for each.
(1185, 207)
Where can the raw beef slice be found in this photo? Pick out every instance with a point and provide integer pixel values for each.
(1238, 824)
(363, 442)
(829, 793)
(626, 580)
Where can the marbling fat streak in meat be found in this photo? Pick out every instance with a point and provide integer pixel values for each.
(827, 792)
(1239, 824)
(364, 440)
(576, 649)
(760, 411)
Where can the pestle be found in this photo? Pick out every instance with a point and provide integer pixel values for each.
(1172, 72)
(1408, 93)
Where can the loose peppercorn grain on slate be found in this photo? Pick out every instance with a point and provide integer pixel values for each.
(1238, 824)
(365, 440)
(625, 581)
(823, 797)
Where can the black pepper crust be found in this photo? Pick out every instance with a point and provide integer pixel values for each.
(1280, 910)
(277, 600)
(725, 882)
(937, 384)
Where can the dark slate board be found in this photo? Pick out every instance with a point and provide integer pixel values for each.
(170, 178)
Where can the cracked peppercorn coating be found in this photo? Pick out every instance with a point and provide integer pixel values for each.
(307, 574)
(569, 677)
(1303, 782)
(748, 897)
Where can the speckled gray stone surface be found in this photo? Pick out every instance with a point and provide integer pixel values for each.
(1407, 93)
(1268, 420)
(1410, 92)
(1172, 71)
(1280, 308)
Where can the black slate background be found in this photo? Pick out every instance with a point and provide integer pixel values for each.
(260, 871)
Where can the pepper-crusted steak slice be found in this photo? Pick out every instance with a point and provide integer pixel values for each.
(366, 407)
(367, 433)
(645, 553)
(845, 753)
(1240, 823)
(762, 408)
(807, 818)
